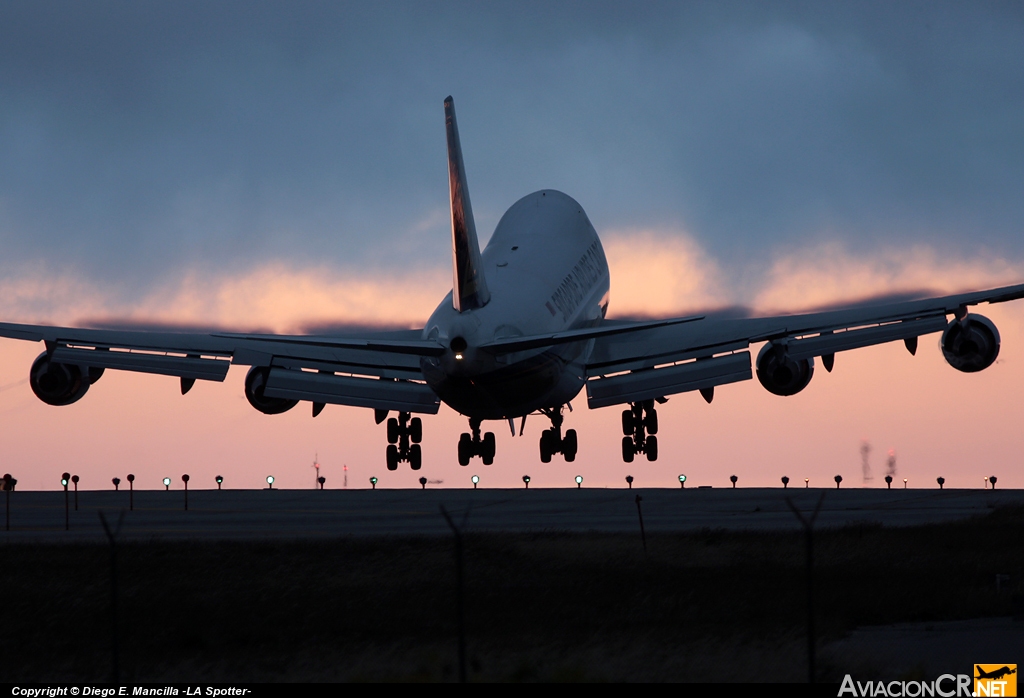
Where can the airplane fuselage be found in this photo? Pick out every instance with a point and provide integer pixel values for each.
(546, 271)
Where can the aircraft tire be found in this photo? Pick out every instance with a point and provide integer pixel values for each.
(393, 431)
(545, 446)
(465, 449)
(627, 422)
(652, 448)
(627, 450)
(488, 448)
(652, 421)
(392, 455)
(570, 444)
(416, 430)
(415, 457)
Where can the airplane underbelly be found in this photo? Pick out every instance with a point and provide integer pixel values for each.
(548, 379)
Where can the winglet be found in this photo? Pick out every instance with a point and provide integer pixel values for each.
(469, 288)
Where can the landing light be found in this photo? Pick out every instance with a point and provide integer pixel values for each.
(458, 357)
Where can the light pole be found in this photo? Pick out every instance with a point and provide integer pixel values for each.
(785, 482)
(941, 481)
(131, 492)
(64, 480)
(629, 481)
(167, 484)
(270, 482)
(682, 482)
(733, 480)
(526, 481)
(904, 483)
(579, 481)
(321, 480)
(74, 479)
(992, 479)
(838, 478)
(373, 482)
(220, 481)
(184, 478)
(476, 480)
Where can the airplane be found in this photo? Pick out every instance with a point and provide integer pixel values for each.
(994, 674)
(523, 332)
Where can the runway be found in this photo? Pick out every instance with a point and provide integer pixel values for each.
(309, 514)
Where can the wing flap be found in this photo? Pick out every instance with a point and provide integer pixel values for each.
(194, 367)
(402, 395)
(855, 339)
(653, 383)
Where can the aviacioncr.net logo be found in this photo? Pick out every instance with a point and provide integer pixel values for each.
(946, 686)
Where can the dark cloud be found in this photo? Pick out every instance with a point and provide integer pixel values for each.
(138, 139)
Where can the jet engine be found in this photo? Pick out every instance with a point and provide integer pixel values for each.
(255, 382)
(60, 384)
(970, 344)
(780, 374)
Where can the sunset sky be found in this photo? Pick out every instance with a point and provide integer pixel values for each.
(282, 166)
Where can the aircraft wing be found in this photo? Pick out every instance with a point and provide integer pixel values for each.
(379, 370)
(652, 363)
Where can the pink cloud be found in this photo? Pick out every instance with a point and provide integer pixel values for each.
(939, 421)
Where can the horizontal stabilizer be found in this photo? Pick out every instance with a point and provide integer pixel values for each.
(513, 344)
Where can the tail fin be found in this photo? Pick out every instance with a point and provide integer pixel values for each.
(469, 288)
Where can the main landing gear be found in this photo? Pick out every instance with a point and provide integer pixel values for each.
(639, 430)
(404, 436)
(473, 445)
(552, 441)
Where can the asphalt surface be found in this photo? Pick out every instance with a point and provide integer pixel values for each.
(295, 514)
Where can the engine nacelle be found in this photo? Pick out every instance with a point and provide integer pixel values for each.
(58, 384)
(780, 374)
(255, 382)
(971, 344)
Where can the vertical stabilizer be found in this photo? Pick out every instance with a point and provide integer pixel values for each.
(469, 288)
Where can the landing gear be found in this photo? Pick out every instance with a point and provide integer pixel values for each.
(404, 435)
(473, 445)
(639, 431)
(552, 441)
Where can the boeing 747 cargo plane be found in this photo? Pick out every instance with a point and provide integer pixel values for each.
(522, 332)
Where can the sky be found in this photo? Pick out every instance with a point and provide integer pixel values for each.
(281, 166)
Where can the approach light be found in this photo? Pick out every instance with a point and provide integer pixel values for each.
(682, 481)
(116, 481)
(184, 478)
(904, 483)
(476, 480)
(579, 481)
(65, 479)
(423, 482)
(838, 479)
(888, 482)
(167, 483)
(807, 482)
(785, 482)
(941, 481)
(270, 482)
(131, 478)
(220, 481)
(526, 479)
(373, 482)
(993, 481)
(629, 481)
(733, 479)
(321, 480)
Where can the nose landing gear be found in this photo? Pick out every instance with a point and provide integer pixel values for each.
(404, 436)
(472, 445)
(639, 431)
(552, 441)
